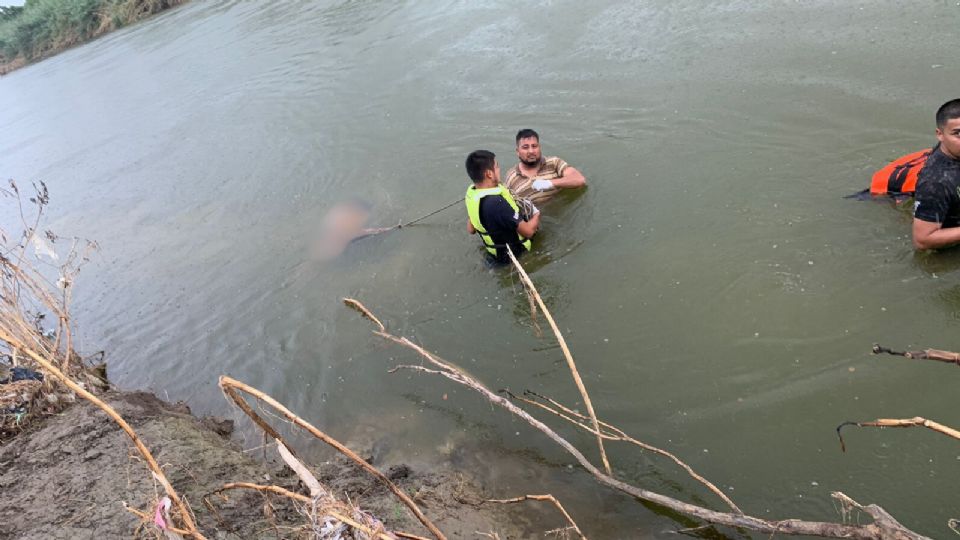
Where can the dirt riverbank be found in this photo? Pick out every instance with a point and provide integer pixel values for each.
(70, 475)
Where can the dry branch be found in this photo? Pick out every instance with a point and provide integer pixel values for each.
(926, 354)
(566, 353)
(307, 477)
(884, 526)
(917, 421)
(546, 497)
(351, 303)
(619, 435)
(227, 382)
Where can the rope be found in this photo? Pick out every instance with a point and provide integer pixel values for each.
(421, 218)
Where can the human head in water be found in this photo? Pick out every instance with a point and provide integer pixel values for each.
(528, 147)
(948, 128)
(482, 168)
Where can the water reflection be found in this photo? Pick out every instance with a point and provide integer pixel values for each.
(938, 263)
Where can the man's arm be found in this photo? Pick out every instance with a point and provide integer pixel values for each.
(931, 235)
(470, 228)
(571, 178)
(529, 228)
(933, 201)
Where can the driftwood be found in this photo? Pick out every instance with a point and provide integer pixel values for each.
(884, 526)
(917, 421)
(233, 384)
(528, 283)
(926, 354)
(553, 500)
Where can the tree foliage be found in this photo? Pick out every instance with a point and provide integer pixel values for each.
(41, 27)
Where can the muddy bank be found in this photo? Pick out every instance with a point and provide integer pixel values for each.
(70, 475)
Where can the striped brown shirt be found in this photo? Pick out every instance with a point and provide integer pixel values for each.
(522, 186)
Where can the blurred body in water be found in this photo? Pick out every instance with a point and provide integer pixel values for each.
(344, 223)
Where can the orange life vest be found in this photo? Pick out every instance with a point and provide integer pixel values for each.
(900, 176)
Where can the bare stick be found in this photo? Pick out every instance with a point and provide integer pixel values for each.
(566, 353)
(350, 302)
(257, 419)
(142, 448)
(621, 436)
(227, 382)
(917, 421)
(307, 477)
(926, 354)
(546, 497)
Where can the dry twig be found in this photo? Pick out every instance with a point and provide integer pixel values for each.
(926, 354)
(917, 421)
(546, 497)
(566, 353)
(616, 434)
(351, 303)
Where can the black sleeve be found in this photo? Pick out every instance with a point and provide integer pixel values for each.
(932, 202)
(498, 215)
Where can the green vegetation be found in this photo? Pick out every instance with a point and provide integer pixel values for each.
(43, 27)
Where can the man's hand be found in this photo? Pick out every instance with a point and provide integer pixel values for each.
(529, 228)
(541, 184)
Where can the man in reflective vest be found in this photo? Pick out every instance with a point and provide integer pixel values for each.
(936, 212)
(492, 212)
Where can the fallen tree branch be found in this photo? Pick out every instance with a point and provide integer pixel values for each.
(307, 477)
(884, 526)
(917, 421)
(228, 382)
(566, 354)
(926, 354)
(546, 497)
(618, 435)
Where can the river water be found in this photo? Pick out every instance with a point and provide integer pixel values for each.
(719, 294)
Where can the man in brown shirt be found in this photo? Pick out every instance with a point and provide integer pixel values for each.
(536, 178)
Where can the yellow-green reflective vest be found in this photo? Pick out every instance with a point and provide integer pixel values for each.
(473, 211)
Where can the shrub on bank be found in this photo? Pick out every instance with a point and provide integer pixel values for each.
(43, 27)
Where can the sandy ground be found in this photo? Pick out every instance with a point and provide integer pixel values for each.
(69, 476)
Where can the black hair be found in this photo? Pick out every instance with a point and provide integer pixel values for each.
(479, 162)
(526, 134)
(948, 111)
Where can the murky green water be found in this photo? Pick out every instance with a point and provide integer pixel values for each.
(719, 295)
